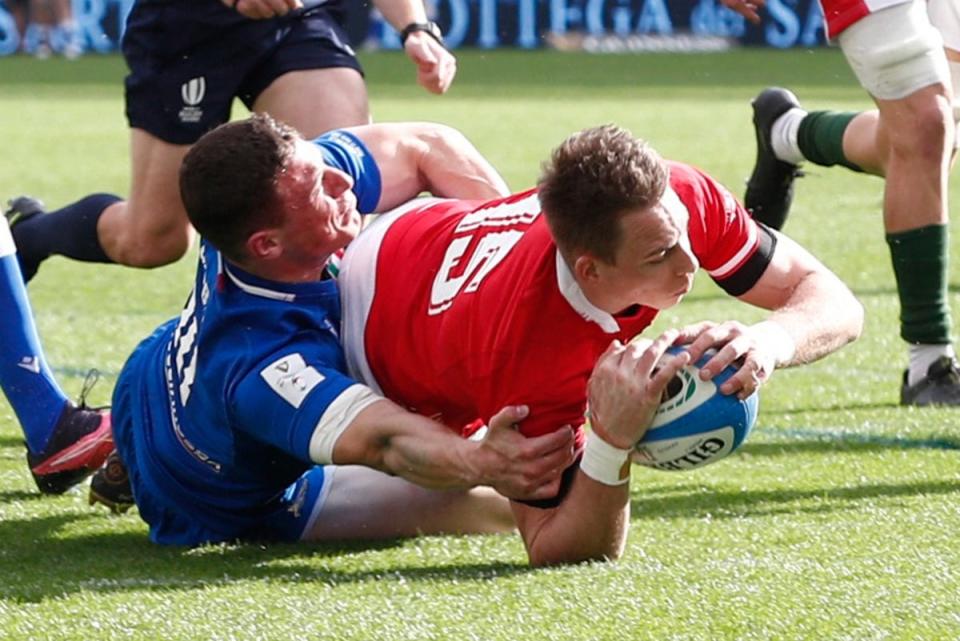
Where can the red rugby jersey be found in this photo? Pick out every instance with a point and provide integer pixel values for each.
(840, 14)
(457, 308)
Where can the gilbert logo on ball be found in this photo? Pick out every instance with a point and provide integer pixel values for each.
(695, 425)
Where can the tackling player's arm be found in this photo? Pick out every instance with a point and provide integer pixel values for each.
(591, 520)
(386, 437)
(418, 157)
(293, 401)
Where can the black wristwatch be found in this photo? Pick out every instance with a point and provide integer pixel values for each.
(430, 28)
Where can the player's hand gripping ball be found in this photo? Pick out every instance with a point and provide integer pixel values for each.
(695, 425)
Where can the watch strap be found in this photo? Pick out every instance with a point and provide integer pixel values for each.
(430, 28)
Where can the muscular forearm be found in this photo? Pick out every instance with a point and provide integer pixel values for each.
(812, 312)
(816, 329)
(590, 524)
(386, 437)
(452, 167)
(418, 157)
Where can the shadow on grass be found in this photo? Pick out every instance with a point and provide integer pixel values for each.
(13, 441)
(835, 407)
(39, 561)
(825, 441)
(700, 502)
(9, 496)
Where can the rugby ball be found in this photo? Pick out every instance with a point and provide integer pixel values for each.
(695, 425)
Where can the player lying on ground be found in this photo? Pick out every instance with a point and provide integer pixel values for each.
(488, 307)
(612, 235)
(229, 417)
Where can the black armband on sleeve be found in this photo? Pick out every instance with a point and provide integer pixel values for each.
(740, 281)
(566, 480)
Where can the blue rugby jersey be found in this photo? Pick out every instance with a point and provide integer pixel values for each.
(215, 411)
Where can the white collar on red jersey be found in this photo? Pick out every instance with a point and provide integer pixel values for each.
(571, 291)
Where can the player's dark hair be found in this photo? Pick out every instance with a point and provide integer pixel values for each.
(228, 180)
(591, 180)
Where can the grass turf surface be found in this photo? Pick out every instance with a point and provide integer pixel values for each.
(836, 520)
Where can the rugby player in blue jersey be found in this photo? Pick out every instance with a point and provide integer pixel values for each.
(228, 417)
(188, 60)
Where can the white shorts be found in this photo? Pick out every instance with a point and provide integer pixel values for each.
(895, 51)
(945, 16)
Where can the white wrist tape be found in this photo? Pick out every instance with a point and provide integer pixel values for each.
(603, 462)
(777, 339)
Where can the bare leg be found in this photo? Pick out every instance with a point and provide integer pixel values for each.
(151, 228)
(915, 130)
(366, 504)
(317, 100)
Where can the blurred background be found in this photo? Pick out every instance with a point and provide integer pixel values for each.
(74, 27)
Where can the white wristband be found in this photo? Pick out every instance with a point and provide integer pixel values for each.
(603, 462)
(777, 339)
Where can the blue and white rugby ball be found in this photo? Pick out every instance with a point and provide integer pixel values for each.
(695, 425)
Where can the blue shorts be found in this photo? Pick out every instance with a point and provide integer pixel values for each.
(189, 59)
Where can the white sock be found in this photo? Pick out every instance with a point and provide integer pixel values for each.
(922, 356)
(783, 136)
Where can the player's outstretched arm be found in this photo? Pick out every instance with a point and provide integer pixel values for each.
(388, 438)
(414, 157)
(812, 314)
(591, 522)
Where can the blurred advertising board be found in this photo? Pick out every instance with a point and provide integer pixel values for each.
(594, 25)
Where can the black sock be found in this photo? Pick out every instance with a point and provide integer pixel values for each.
(70, 231)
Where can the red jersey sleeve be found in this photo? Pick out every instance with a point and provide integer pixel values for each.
(733, 248)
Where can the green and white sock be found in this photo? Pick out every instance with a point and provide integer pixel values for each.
(820, 138)
(920, 261)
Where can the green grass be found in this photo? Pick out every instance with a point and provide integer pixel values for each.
(837, 520)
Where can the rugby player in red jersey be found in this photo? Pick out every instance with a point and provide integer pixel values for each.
(455, 308)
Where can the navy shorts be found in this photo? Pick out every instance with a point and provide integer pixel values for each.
(188, 59)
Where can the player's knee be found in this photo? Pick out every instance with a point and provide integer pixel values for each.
(930, 134)
(159, 248)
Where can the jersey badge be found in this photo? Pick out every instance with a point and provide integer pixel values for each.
(291, 378)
